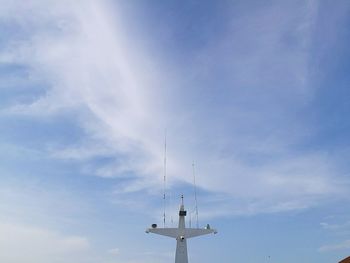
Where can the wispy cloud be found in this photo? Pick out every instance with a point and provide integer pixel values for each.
(339, 229)
(335, 227)
(334, 247)
(88, 88)
(32, 244)
(245, 129)
(114, 251)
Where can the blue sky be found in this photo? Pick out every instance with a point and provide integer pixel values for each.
(256, 93)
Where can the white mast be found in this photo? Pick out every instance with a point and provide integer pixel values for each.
(181, 234)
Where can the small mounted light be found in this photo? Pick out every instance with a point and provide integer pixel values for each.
(154, 225)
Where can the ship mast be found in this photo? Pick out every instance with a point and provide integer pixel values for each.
(181, 234)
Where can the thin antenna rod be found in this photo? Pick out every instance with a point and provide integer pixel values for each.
(195, 194)
(164, 180)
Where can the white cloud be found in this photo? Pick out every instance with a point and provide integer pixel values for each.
(335, 227)
(22, 243)
(99, 72)
(114, 251)
(334, 247)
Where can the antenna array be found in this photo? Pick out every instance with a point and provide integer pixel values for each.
(164, 180)
(195, 194)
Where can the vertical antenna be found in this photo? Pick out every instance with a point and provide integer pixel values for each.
(195, 193)
(164, 180)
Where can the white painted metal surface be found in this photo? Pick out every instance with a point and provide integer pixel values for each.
(181, 234)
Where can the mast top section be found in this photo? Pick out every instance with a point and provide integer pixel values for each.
(182, 211)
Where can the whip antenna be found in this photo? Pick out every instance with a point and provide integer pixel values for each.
(195, 193)
(164, 180)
